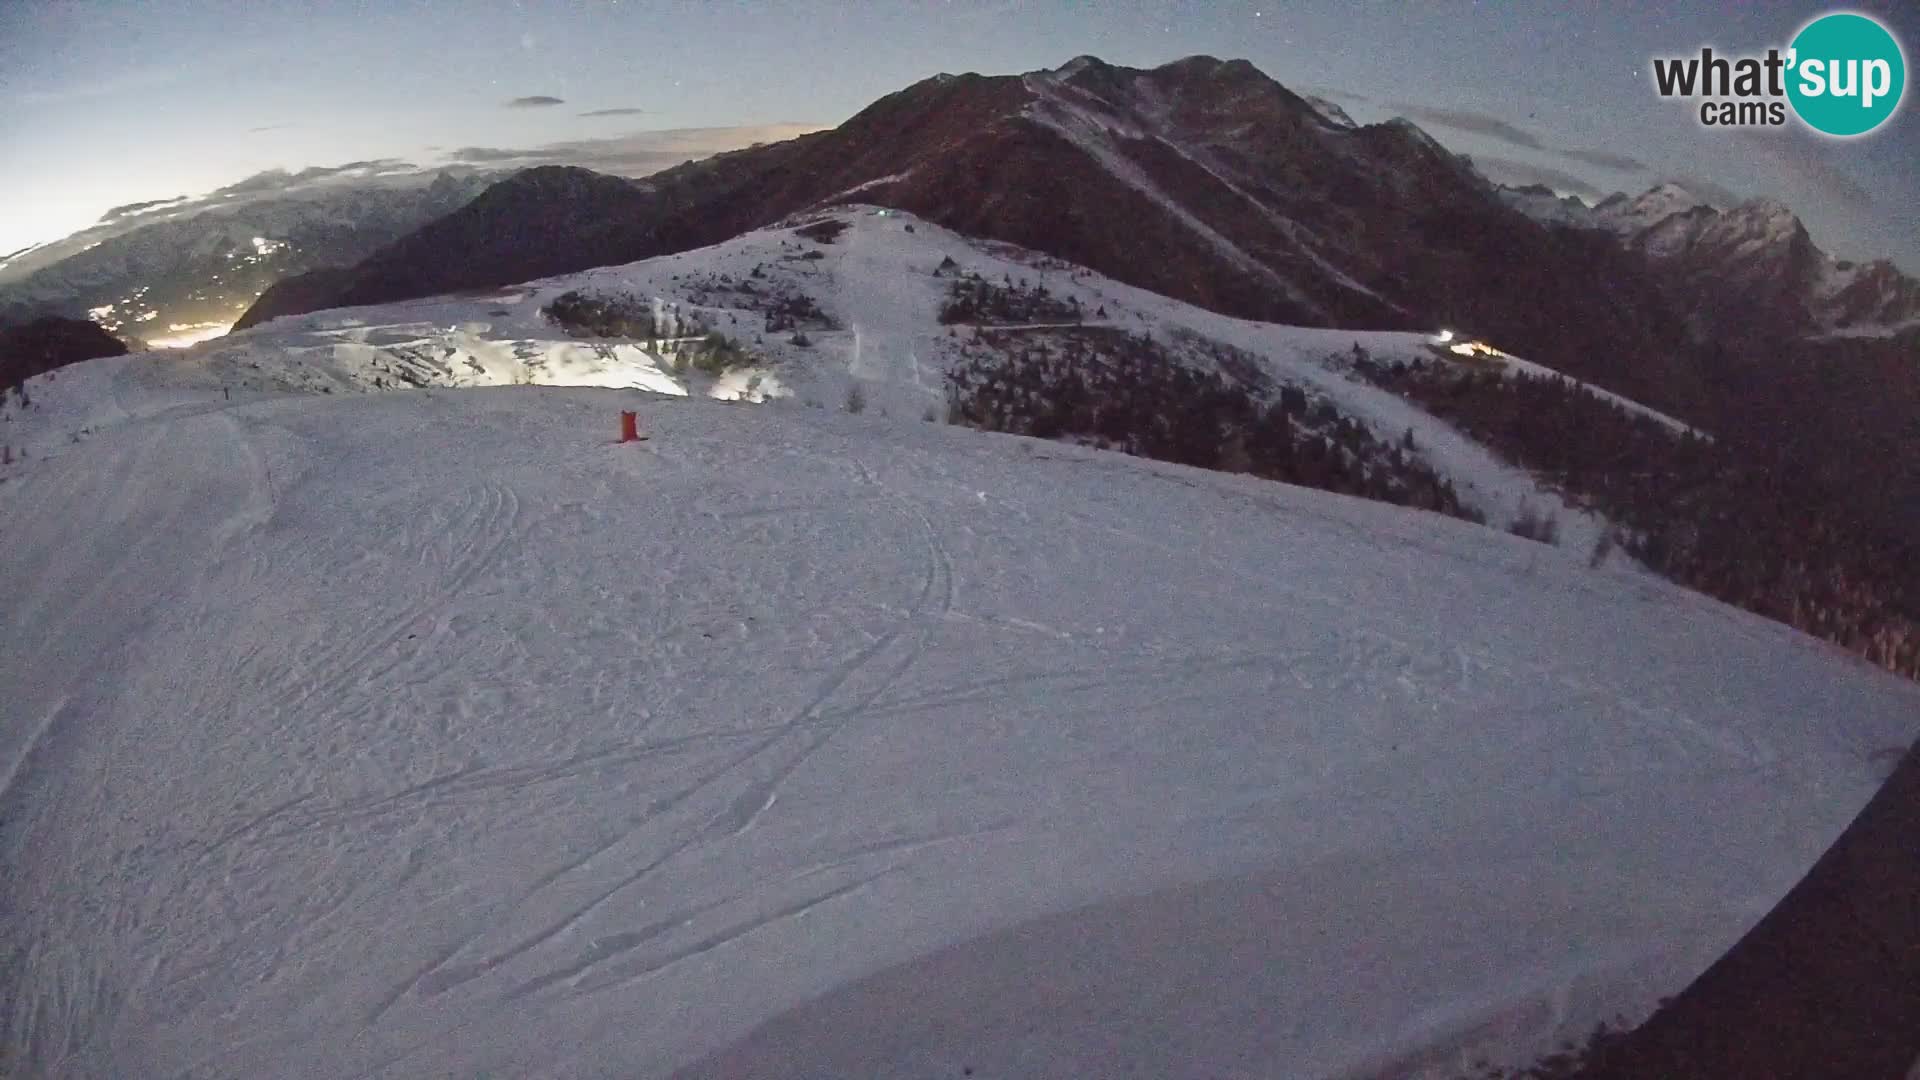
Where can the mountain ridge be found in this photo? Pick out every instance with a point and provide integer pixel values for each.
(198, 271)
(1750, 272)
(1202, 179)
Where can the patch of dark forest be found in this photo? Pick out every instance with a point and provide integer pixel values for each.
(683, 338)
(978, 301)
(1731, 517)
(1135, 394)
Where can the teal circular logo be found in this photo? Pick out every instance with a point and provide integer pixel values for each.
(1847, 74)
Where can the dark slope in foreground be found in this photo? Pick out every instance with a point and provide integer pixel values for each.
(1826, 986)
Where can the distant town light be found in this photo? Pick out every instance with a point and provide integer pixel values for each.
(1446, 336)
(183, 335)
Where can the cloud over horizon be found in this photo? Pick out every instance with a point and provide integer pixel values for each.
(1809, 161)
(265, 183)
(537, 101)
(1605, 159)
(1521, 174)
(140, 207)
(483, 155)
(630, 155)
(1336, 92)
(638, 154)
(615, 112)
(1717, 194)
(1479, 123)
(282, 180)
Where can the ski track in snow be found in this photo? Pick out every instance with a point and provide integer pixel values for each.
(433, 733)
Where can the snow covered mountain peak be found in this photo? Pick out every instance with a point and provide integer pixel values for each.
(1330, 111)
(1547, 206)
(1770, 217)
(1750, 271)
(1077, 65)
(1673, 193)
(1418, 135)
(1647, 209)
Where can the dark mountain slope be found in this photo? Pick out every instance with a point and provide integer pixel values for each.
(46, 344)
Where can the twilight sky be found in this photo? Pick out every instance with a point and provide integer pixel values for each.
(108, 103)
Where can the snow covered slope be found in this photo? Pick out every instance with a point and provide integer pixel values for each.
(433, 733)
(876, 281)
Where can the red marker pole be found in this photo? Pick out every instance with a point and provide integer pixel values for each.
(629, 427)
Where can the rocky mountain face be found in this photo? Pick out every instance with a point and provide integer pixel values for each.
(1749, 273)
(200, 271)
(1869, 295)
(1202, 179)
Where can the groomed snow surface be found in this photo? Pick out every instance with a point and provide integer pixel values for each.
(433, 733)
